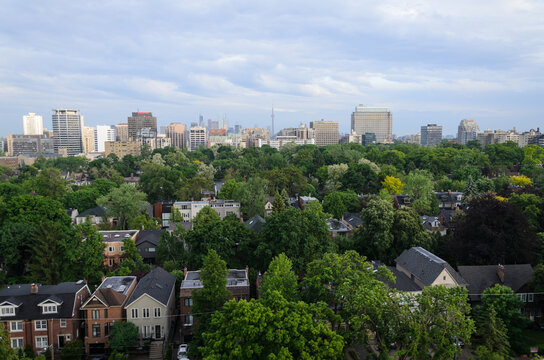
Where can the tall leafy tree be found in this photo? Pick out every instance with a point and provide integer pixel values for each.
(375, 237)
(124, 203)
(252, 196)
(281, 278)
(123, 336)
(50, 183)
(333, 204)
(89, 254)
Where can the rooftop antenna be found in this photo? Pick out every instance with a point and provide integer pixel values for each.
(272, 117)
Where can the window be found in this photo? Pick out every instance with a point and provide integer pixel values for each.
(151, 249)
(40, 324)
(62, 323)
(157, 312)
(145, 313)
(49, 309)
(16, 343)
(122, 249)
(146, 331)
(16, 326)
(188, 302)
(444, 278)
(188, 320)
(530, 297)
(96, 330)
(105, 313)
(111, 248)
(41, 342)
(523, 297)
(96, 315)
(134, 313)
(106, 329)
(7, 310)
(67, 337)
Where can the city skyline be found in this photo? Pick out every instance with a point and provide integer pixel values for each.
(428, 63)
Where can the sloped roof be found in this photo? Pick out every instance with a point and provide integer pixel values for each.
(353, 219)
(110, 297)
(256, 223)
(28, 309)
(158, 284)
(150, 236)
(96, 211)
(425, 265)
(482, 277)
(402, 282)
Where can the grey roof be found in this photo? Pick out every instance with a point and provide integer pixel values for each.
(337, 225)
(119, 284)
(482, 277)
(402, 282)
(425, 265)
(235, 277)
(28, 309)
(158, 284)
(117, 235)
(353, 219)
(256, 223)
(96, 211)
(150, 236)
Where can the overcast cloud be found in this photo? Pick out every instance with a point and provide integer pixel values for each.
(429, 61)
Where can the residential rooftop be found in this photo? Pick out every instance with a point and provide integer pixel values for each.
(235, 277)
(119, 284)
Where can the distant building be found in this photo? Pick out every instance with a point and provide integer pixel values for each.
(431, 135)
(368, 138)
(197, 136)
(217, 132)
(177, 134)
(140, 120)
(113, 245)
(251, 136)
(88, 139)
(467, 131)
(122, 132)
(29, 144)
(189, 209)
(326, 132)
(122, 148)
(32, 124)
(103, 133)
(373, 120)
(67, 130)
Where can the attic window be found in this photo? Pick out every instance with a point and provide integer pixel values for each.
(7, 310)
(49, 309)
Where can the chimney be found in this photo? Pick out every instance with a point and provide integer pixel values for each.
(247, 272)
(449, 192)
(33, 289)
(184, 273)
(131, 176)
(500, 272)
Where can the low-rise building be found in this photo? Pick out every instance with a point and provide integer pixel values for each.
(237, 284)
(42, 315)
(103, 309)
(95, 216)
(147, 243)
(189, 209)
(113, 241)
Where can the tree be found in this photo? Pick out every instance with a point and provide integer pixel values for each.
(275, 329)
(89, 254)
(50, 183)
(192, 189)
(281, 278)
(210, 297)
(6, 352)
(278, 205)
(131, 260)
(491, 333)
(492, 232)
(302, 235)
(374, 238)
(393, 185)
(419, 185)
(520, 180)
(335, 174)
(333, 203)
(252, 196)
(72, 351)
(81, 200)
(160, 182)
(229, 188)
(143, 221)
(124, 203)
(407, 232)
(47, 260)
(532, 206)
(206, 172)
(123, 336)
(471, 189)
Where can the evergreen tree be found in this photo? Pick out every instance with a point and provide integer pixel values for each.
(278, 205)
(491, 332)
(471, 189)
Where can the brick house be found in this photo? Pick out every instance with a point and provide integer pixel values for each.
(113, 241)
(103, 309)
(237, 284)
(42, 315)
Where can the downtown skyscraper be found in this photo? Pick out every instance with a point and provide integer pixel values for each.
(67, 131)
(373, 120)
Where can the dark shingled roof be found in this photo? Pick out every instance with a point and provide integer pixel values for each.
(402, 282)
(256, 223)
(28, 309)
(150, 236)
(110, 297)
(482, 277)
(158, 284)
(96, 211)
(425, 265)
(353, 219)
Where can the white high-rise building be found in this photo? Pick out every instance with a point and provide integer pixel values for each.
(467, 130)
(103, 133)
(67, 131)
(373, 120)
(197, 136)
(32, 124)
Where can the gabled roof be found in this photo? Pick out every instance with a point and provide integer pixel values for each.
(96, 211)
(28, 304)
(150, 236)
(425, 265)
(158, 284)
(482, 277)
(353, 219)
(110, 297)
(256, 223)
(402, 282)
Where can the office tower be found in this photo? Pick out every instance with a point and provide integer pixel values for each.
(32, 124)
(103, 133)
(88, 139)
(237, 129)
(197, 136)
(122, 132)
(29, 144)
(67, 130)
(140, 120)
(373, 120)
(431, 134)
(467, 131)
(325, 132)
(177, 135)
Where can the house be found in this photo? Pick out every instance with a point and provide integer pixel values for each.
(41, 316)
(269, 206)
(447, 218)
(189, 209)
(516, 277)
(237, 284)
(147, 243)
(353, 220)
(449, 199)
(132, 180)
(338, 228)
(95, 216)
(402, 281)
(426, 269)
(152, 305)
(72, 213)
(432, 224)
(401, 201)
(113, 240)
(103, 309)
(256, 223)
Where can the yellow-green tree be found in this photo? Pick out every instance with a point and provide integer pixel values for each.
(393, 185)
(521, 180)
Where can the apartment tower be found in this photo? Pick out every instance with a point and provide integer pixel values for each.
(67, 131)
(468, 130)
(431, 135)
(374, 120)
(197, 136)
(325, 132)
(140, 120)
(177, 135)
(32, 124)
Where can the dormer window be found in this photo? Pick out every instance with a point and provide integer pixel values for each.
(7, 310)
(49, 309)
(50, 305)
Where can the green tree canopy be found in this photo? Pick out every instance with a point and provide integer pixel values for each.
(124, 203)
(281, 278)
(123, 336)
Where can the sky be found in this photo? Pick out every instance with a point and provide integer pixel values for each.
(428, 61)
